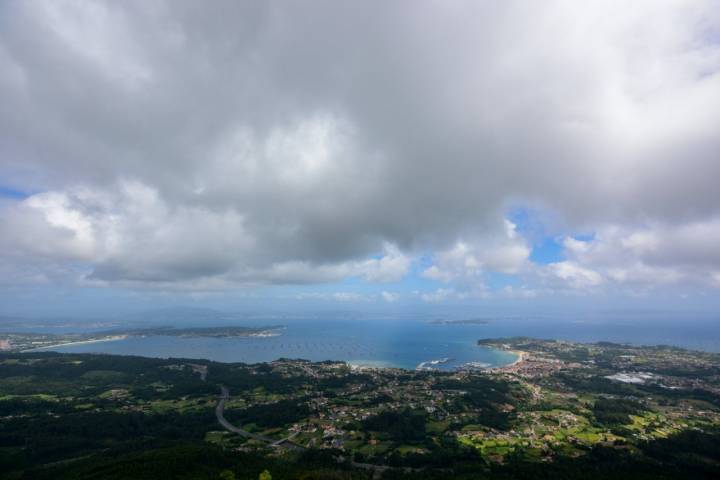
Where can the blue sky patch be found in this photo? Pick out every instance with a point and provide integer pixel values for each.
(9, 192)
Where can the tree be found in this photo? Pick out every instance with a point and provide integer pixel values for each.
(227, 475)
(265, 475)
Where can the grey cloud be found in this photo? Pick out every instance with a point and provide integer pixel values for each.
(277, 135)
(644, 257)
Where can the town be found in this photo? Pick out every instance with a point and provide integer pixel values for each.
(560, 400)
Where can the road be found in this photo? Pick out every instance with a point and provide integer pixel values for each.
(287, 442)
(220, 413)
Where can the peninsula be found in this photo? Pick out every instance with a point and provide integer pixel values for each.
(34, 341)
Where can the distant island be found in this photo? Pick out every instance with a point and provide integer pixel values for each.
(472, 321)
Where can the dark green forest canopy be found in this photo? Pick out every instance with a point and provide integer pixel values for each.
(566, 411)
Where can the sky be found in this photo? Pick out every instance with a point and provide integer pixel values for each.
(367, 156)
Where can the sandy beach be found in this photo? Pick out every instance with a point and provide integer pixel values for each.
(79, 342)
(521, 355)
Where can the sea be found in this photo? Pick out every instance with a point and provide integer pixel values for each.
(408, 343)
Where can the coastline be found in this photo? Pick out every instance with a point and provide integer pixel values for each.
(488, 358)
(370, 365)
(520, 357)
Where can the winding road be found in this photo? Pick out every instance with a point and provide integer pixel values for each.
(220, 413)
(287, 442)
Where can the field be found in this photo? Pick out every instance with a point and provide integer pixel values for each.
(561, 409)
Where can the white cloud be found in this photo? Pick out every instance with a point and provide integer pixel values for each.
(334, 296)
(131, 235)
(434, 273)
(576, 275)
(390, 296)
(347, 296)
(575, 246)
(391, 267)
(655, 255)
(439, 295)
(177, 144)
(504, 252)
(519, 292)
